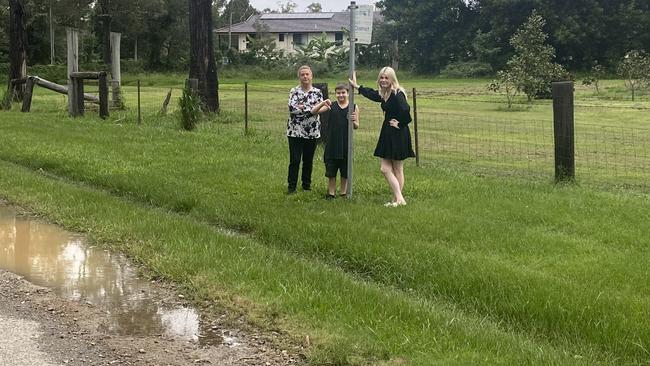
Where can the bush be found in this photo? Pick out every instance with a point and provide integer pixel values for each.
(189, 105)
(466, 70)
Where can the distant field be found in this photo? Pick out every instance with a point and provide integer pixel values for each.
(490, 263)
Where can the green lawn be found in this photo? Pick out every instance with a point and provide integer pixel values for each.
(475, 270)
(462, 126)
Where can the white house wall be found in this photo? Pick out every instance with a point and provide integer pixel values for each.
(242, 42)
(287, 44)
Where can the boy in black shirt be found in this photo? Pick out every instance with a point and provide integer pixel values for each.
(336, 147)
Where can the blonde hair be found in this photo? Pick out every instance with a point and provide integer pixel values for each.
(304, 67)
(394, 84)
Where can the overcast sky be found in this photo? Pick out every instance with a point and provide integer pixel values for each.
(328, 5)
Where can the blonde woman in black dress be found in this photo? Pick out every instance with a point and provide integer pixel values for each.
(394, 144)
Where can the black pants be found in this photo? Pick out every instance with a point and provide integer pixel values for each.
(305, 149)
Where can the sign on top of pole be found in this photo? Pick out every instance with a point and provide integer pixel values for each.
(363, 23)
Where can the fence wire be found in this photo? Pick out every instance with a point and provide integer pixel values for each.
(604, 154)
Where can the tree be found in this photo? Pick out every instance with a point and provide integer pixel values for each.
(635, 70)
(4, 27)
(65, 13)
(105, 20)
(287, 6)
(17, 47)
(532, 65)
(314, 8)
(240, 10)
(433, 32)
(202, 64)
(384, 47)
(507, 83)
(593, 79)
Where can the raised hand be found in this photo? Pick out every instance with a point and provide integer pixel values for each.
(353, 80)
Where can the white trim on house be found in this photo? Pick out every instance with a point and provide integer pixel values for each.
(287, 28)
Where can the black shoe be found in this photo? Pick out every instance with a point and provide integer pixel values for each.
(306, 188)
(291, 191)
(330, 196)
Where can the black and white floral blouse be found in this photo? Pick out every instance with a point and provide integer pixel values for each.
(301, 122)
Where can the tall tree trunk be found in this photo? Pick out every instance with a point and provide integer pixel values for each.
(17, 46)
(202, 64)
(105, 18)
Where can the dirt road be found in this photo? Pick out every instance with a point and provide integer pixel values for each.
(39, 328)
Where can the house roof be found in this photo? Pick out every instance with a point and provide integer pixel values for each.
(293, 23)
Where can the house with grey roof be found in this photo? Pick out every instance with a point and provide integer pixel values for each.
(290, 30)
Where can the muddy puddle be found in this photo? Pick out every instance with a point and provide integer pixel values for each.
(49, 256)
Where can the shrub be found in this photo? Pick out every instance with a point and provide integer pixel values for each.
(189, 105)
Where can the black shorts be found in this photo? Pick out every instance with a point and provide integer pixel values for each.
(334, 165)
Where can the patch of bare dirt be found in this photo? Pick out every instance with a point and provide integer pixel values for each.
(74, 333)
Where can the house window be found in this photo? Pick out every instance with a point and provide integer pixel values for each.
(338, 38)
(281, 37)
(298, 39)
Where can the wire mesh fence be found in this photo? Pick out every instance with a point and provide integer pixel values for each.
(605, 154)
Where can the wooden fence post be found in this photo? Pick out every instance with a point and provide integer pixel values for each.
(27, 97)
(78, 85)
(73, 66)
(116, 73)
(103, 95)
(415, 128)
(563, 127)
(163, 109)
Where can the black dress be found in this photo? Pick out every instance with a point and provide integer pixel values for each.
(336, 146)
(393, 144)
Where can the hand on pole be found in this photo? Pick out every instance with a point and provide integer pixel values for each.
(353, 80)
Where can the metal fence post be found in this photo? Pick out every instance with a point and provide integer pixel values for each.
(139, 115)
(415, 128)
(246, 107)
(563, 127)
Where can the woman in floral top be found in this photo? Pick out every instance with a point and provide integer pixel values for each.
(303, 129)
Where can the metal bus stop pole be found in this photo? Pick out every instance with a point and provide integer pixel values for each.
(352, 7)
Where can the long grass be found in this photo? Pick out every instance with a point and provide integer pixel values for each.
(474, 270)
